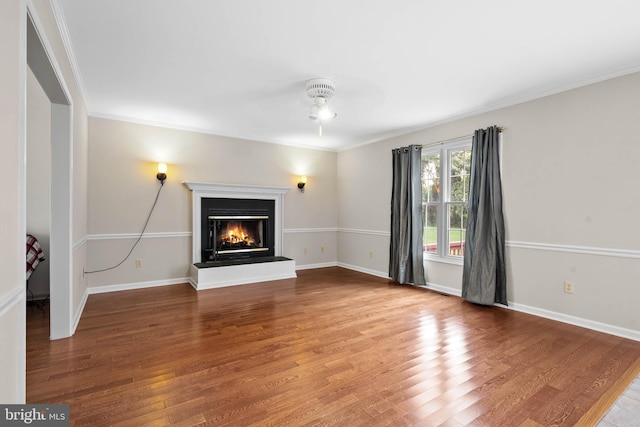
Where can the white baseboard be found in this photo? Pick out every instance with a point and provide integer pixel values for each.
(577, 321)
(139, 285)
(381, 274)
(78, 315)
(319, 265)
(444, 289)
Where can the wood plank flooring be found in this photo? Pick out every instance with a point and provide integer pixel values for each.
(332, 347)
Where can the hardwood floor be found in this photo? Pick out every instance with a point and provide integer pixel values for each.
(332, 347)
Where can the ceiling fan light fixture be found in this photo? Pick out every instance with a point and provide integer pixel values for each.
(320, 90)
(320, 110)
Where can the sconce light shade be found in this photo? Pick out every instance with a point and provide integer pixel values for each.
(301, 183)
(162, 172)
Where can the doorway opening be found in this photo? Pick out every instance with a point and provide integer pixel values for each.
(60, 258)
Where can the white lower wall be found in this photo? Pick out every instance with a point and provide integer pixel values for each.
(364, 250)
(606, 287)
(163, 257)
(311, 248)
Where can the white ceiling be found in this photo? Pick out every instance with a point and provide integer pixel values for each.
(238, 67)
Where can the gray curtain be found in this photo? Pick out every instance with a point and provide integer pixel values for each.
(484, 279)
(405, 252)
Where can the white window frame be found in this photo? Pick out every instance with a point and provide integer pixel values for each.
(444, 150)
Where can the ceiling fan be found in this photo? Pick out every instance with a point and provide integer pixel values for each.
(320, 90)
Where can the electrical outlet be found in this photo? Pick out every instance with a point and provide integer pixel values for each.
(138, 263)
(568, 287)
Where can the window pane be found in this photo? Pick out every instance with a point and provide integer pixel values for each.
(457, 189)
(431, 178)
(445, 194)
(430, 235)
(457, 228)
(459, 175)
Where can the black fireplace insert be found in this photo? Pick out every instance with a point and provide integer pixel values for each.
(237, 228)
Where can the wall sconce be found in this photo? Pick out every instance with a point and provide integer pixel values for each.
(301, 183)
(162, 172)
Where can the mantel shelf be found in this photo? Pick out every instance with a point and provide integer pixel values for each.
(206, 187)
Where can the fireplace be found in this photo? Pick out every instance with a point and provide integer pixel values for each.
(236, 228)
(237, 235)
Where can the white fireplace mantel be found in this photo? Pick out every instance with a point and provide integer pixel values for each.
(203, 190)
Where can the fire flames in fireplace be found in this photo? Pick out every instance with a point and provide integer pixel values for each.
(236, 236)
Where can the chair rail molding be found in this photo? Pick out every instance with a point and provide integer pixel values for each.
(586, 250)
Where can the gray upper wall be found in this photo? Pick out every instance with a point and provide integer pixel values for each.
(569, 171)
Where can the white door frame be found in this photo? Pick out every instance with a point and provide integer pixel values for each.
(47, 71)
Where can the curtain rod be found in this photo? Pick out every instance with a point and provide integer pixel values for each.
(500, 129)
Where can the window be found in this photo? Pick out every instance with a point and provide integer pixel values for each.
(445, 193)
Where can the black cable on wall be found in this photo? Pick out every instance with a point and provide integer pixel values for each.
(139, 237)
